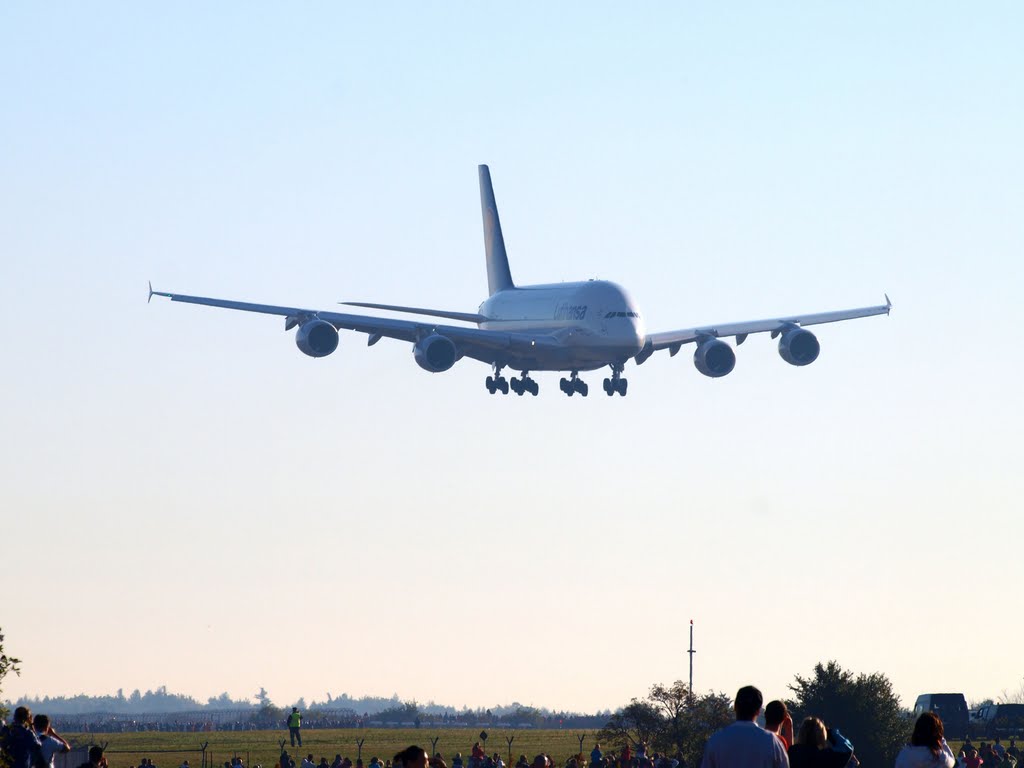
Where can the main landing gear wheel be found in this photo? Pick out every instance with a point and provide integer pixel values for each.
(497, 384)
(524, 384)
(574, 385)
(616, 383)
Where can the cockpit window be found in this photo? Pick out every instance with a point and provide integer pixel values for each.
(622, 314)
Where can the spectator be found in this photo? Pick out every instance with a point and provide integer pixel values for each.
(1012, 749)
(294, 726)
(96, 758)
(285, 759)
(971, 759)
(928, 747)
(497, 761)
(416, 757)
(21, 742)
(457, 760)
(541, 761)
(596, 757)
(374, 762)
(520, 763)
(778, 721)
(744, 744)
(999, 749)
(324, 763)
(184, 764)
(337, 761)
(51, 743)
(307, 762)
(817, 747)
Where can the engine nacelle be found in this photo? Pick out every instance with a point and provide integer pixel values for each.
(799, 347)
(714, 358)
(435, 353)
(316, 338)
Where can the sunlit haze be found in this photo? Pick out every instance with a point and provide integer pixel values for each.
(189, 501)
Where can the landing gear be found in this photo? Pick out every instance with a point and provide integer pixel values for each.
(616, 383)
(574, 385)
(524, 384)
(497, 384)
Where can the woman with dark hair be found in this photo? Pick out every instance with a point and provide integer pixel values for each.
(818, 747)
(927, 747)
(416, 757)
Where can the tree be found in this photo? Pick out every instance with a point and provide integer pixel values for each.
(7, 664)
(639, 722)
(671, 719)
(864, 707)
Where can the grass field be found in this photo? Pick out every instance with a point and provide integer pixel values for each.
(167, 750)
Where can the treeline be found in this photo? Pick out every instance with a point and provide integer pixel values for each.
(388, 710)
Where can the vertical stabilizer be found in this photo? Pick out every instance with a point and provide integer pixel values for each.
(498, 275)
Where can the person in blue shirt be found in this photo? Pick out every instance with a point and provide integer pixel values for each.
(21, 743)
(596, 757)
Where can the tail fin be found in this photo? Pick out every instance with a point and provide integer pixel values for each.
(498, 275)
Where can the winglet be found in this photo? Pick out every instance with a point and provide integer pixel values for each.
(150, 297)
(888, 303)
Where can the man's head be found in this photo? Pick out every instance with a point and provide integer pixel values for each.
(748, 703)
(295, 709)
(411, 757)
(22, 715)
(774, 713)
(540, 761)
(95, 754)
(41, 723)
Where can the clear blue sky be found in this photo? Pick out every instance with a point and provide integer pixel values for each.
(190, 501)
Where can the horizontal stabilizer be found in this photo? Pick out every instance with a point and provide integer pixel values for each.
(467, 317)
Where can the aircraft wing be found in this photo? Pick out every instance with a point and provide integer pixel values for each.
(474, 342)
(673, 340)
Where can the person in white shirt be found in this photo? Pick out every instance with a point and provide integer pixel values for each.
(744, 744)
(927, 747)
(52, 742)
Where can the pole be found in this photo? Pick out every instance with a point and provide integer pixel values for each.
(691, 652)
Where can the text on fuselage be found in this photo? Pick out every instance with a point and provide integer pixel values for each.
(567, 311)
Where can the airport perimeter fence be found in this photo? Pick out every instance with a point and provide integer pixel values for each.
(202, 756)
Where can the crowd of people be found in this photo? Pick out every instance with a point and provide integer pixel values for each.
(814, 745)
(32, 742)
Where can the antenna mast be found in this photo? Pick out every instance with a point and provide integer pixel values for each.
(691, 652)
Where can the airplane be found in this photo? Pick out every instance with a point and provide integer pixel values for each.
(564, 327)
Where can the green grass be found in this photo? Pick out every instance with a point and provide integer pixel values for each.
(261, 747)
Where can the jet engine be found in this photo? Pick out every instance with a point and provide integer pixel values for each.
(714, 358)
(316, 338)
(435, 353)
(799, 347)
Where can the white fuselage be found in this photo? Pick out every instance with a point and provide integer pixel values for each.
(596, 323)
